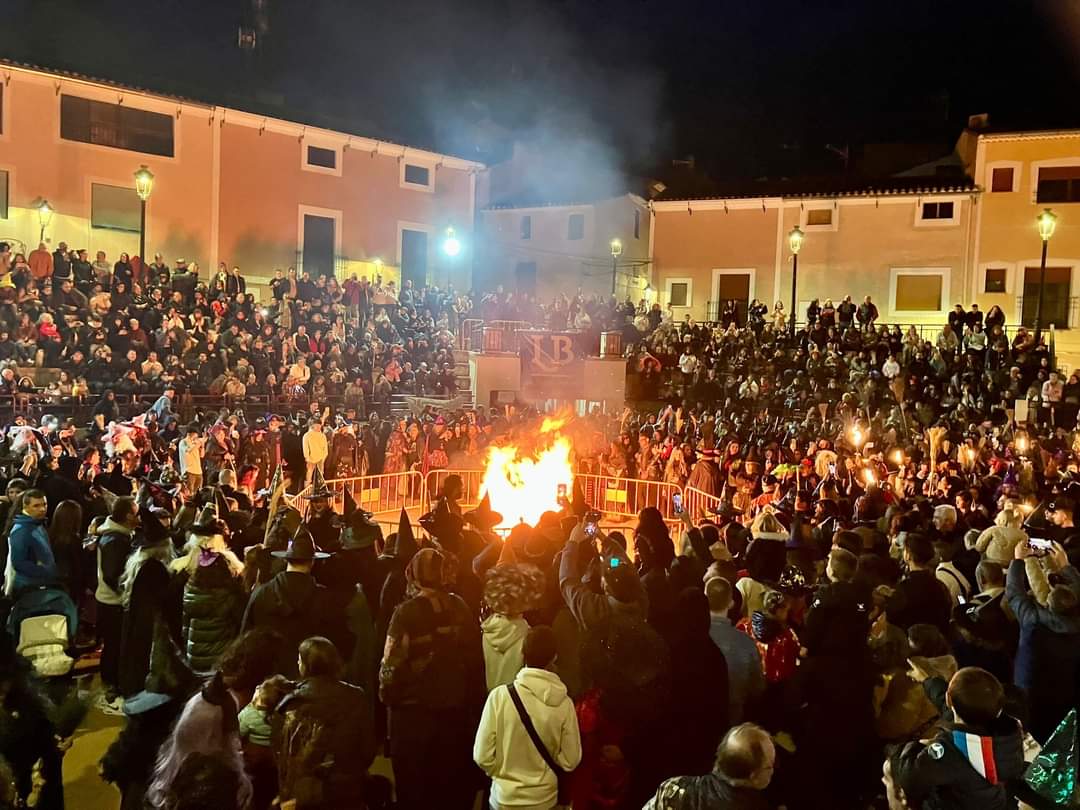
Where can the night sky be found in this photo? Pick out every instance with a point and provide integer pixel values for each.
(749, 87)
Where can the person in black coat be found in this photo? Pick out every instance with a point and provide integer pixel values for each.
(145, 586)
(919, 598)
(975, 759)
(699, 686)
(292, 603)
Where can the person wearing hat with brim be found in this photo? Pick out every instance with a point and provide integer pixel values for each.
(706, 475)
(146, 599)
(292, 604)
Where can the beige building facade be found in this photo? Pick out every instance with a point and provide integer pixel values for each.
(908, 249)
(548, 250)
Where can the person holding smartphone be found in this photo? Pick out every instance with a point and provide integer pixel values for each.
(623, 592)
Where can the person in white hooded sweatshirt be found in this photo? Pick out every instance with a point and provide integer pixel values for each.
(520, 778)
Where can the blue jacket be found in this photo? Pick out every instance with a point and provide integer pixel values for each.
(30, 553)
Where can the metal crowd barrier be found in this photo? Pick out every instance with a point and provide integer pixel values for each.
(386, 495)
(378, 494)
(699, 504)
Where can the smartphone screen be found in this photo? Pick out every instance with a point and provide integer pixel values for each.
(676, 503)
(590, 529)
(1040, 545)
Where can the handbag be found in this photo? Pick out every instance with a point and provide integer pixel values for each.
(562, 776)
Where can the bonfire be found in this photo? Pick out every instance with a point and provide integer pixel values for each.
(523, 483)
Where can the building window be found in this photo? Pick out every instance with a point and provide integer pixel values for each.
(324, 158)
(1059, 184)
(114, 207)
(116, 126)
(3, 195)
(819, 216)
(417, 175)
(679, 294)
(918, 291)
(937, 210)
(1001, 179)
(637, 224)
(575, 228)
(526, 227)
(1, 109)
(995, 279)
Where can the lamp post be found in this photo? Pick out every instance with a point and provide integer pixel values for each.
(1046, 222)
(616, 252)
(795, 240)
(45, 214)
(451, 247)
(144, 184)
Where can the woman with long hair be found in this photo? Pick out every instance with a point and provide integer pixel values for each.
(144, 595)
(207, 725)
(65, 538)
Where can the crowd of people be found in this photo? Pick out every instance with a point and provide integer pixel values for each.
(867, 593)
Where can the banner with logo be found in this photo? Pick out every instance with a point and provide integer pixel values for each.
(552, 365)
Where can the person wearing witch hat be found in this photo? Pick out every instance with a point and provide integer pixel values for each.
(292, 603)
(144, 597)
(706, 475)
(150, 712)
(321, 521)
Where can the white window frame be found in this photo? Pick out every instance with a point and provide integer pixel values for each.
(1016, 165)
(584, 225)
(1010, 277)
(804, 215)
(944, 272)
(430, 230)
(424, 164)
(329, 213)
(339, 157)
(938, 223)
(1049, 163)
(734, 271)
(689, 282)
(10, 196)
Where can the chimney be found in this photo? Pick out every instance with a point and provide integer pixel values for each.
(978, 122)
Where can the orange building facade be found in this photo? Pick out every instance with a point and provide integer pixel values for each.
(256, 192)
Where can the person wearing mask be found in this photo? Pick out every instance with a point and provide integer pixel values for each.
(327, 715)
(973, 757)
(114, 542)
(745, 760)
(1047, 664)
(528, 734)
(920, 597)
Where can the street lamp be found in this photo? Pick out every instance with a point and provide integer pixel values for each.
(144, 184)
(45, 215)
(616, 252)
(1046, 222)
(451, 244)
(795, 240)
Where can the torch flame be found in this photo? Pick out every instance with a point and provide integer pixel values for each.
(524, 486)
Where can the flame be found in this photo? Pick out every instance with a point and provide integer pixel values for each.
(553, 424)
(524, 486)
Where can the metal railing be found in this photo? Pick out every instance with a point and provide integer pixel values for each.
(699, 504)
(618, 499)
(378, 494)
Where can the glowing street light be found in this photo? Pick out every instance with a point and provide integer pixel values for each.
(45, 214)
(144, 185)
(451, 244)
(1046, 222)
(795, 242)
(616, 252)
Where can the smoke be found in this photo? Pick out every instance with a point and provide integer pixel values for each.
(474, 78)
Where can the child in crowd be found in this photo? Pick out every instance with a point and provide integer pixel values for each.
(255, 735)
